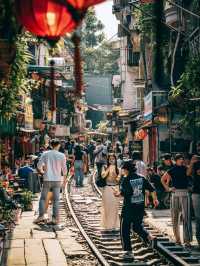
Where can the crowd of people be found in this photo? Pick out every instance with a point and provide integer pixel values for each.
(174, 184)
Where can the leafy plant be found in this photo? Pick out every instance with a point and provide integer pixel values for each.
(17, 82)
(26, 201)
(98, 55)
(185, 93)
(188, 85)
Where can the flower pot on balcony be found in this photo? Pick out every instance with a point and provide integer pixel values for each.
(171, 15)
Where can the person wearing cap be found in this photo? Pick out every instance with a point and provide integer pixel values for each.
(180, 200)
(166, 163)
(133, 188)
(52, 165)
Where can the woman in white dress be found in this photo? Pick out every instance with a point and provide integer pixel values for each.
(110, 203)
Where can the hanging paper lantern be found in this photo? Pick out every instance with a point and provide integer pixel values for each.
(83, 4)
(44, 18)
(140, 134)
(52, 18)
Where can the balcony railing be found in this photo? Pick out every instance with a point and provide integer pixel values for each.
(116, 8)
(133, 58)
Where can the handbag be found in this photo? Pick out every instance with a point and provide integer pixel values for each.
(101, 182)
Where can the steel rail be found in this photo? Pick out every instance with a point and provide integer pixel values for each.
(161, 249)
(2, 243)
(92, 246)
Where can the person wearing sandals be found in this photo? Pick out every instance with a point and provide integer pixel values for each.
(52, 165)
(110, 204)
(177, 176)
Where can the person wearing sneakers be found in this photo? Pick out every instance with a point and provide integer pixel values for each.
(132, 188)
(52, 165)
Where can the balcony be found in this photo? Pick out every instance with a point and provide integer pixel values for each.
(133, 58)
(116, 10)
(122, 32)
(124, 3)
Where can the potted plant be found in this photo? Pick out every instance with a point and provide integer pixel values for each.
(27, 197)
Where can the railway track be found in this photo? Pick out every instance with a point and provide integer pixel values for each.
(84, 204)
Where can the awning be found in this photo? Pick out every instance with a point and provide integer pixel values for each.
(27, 130)
(148, 124)
(96, 133)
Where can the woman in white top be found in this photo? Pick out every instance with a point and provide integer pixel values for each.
(110, 203)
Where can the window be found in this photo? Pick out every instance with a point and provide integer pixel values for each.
(140, 98)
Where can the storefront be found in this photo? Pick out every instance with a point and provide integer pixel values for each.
(154, 118)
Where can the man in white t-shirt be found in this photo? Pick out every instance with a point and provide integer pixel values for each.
(52, 165)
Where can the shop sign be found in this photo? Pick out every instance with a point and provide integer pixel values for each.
(148, 106)
(152, 101)
(57, 82)
(28, 116)
(137, 146)
(162, 116)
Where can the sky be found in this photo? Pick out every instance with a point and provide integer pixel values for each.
(104, 13)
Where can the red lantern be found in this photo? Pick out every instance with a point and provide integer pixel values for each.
(83, 4)
(142, 134)
(52, 18)
(44, 18)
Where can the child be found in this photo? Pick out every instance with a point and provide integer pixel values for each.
(132, 188)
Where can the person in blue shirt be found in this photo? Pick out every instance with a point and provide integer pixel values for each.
(25, 172)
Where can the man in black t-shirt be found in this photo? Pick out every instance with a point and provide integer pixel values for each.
(180, 200)
(132, 188)
(166, 164)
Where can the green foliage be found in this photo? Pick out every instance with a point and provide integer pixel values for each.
(92, 30)
(187, 88)
(98, 55)
(145, 19)
(188, 85)
(9, 26)
(27, 197)
(17, 83)
(102, 60)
